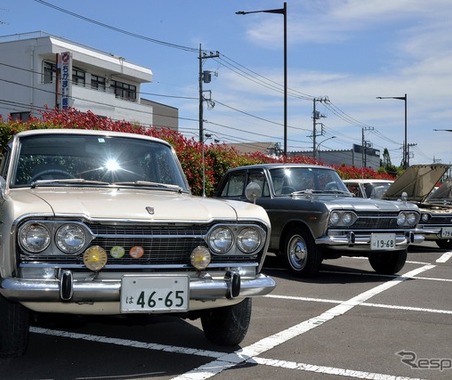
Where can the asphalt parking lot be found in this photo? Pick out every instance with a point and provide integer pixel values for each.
(346, 323)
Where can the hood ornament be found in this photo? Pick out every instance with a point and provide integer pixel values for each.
(150, 210)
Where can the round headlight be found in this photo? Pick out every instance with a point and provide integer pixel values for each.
(221, 239)
(411, 219)
(401, 218)
(334, 218)
(425, 217)
(347, 219)
(70, 238)
(34, 237)
(248, 240)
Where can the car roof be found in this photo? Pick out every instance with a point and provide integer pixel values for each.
(368, 180)
(279, 165)
(92, 132)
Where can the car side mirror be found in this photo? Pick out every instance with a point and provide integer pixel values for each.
(253, 191)
(404, 196)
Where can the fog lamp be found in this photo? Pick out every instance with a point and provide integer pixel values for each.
(200, 258)
(95, 258)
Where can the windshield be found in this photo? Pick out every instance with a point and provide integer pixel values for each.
(298, 179)
(444, 192)
(94, 158)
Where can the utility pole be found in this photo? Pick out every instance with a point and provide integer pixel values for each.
(364, 146)
(408, 153)
(316, 116)
(204, 77)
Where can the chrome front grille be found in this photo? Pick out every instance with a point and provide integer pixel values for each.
(163, 245)
(376, 220)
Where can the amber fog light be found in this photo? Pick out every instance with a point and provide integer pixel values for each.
(95, 258)
(200, 258)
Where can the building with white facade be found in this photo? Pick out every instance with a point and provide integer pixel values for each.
(38, 70)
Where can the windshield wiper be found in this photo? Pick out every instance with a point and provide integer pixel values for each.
(158, 185)
(64, 181)
(311, 192)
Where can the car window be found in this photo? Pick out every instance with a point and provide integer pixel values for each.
(354, 188)
(94, 158)
(259, 178)
(290, 179)
(235, 185)
(237, 182)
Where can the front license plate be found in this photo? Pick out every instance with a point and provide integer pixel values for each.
(446, 232)
(382, 241)
(149, 294)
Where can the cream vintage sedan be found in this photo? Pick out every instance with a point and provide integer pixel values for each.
(96, 222)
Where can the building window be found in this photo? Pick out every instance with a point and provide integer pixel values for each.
(78, 76)
(49, 72)
(124, 90)
(20, 116)
(98, 82)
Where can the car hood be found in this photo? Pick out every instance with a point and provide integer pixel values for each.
(368, 204)
(130, 204)
(417, 181)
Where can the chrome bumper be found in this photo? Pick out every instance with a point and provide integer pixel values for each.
(351, 239)
(67, 289)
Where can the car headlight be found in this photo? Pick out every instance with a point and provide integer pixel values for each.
(34, 237)
(70, 238)
(408, 219)
(334, 218)
(221, 239)
(348, 219)
(249, 239)
(411, 219)
(425, 217)
(401, 219)
(342, 218)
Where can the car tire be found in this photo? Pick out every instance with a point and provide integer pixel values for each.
(444, 244)
(302, 256)
(14, 328)
(227, 326)
(388, 262)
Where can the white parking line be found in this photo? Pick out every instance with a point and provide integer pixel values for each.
(445, 257)
(223, 361)
(328, 370)
(383, 306)
(248, 353)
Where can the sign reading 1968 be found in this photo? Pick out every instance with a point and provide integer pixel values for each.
(153, 294)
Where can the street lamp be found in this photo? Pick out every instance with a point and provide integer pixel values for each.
(282, 11)
(405, 161)
(321, 142)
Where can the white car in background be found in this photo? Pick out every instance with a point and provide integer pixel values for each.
(420, 185)
(368, 188)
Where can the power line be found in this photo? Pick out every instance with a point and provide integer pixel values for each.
(119, 30)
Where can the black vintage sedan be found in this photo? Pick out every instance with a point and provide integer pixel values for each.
(314, 216)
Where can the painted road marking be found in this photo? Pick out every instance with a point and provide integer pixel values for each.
(445, 257)
(382, 306)
(223, 361)
(248, 353)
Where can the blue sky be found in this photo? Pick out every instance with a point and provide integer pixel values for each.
(351, 51)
